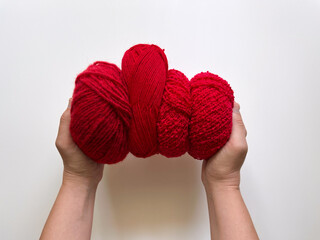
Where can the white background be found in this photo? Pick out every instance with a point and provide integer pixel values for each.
(269, 51)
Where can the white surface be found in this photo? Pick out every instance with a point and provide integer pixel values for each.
(269, 51)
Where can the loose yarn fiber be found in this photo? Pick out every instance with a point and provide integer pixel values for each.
(147, 109)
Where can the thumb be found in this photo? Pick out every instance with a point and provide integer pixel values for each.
(238, 127)
(64, 136)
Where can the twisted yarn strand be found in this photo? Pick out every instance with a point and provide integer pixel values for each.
(145, 71)
(174, 115)
(211, 119)
(100, 113)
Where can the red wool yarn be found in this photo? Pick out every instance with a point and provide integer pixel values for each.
(174, 115)
(211, 115)
(144, 69)
(147, 109)
(100, 113)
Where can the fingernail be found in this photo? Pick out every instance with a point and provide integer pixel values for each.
(69, 103)
(236, 107)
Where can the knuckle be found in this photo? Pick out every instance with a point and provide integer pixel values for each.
(62, 118)
(243, 148)
(240, 147)
(65, 115)
(236, 105)
(239, 120)
(58, 143)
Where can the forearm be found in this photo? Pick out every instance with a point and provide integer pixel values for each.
(229, 216)
(72, 213)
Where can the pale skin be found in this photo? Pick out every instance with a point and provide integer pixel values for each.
(72, 213)
(229, 216)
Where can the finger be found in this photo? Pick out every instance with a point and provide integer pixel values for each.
(69, 103)
(64, 135)
(238, 127)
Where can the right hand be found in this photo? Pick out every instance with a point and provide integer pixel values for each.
(223, 168)
(78, 168)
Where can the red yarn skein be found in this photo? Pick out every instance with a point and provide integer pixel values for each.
(174, 115)
(100, 113)
(144, 69)
(146, 109)
(211, 115)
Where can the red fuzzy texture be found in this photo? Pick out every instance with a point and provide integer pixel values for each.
(174, 115)
(100, 113)
(211, 115)
(146, 109)
(144, 69)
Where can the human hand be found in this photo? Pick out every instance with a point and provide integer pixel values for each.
(78, 168)
(223, 168)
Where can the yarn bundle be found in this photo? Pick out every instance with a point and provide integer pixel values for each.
(147, 109)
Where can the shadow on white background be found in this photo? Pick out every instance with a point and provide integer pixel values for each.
(150, 195)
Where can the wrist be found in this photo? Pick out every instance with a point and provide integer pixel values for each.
(218, 188)
(221, 191)
(225, 183)
(77, 181)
